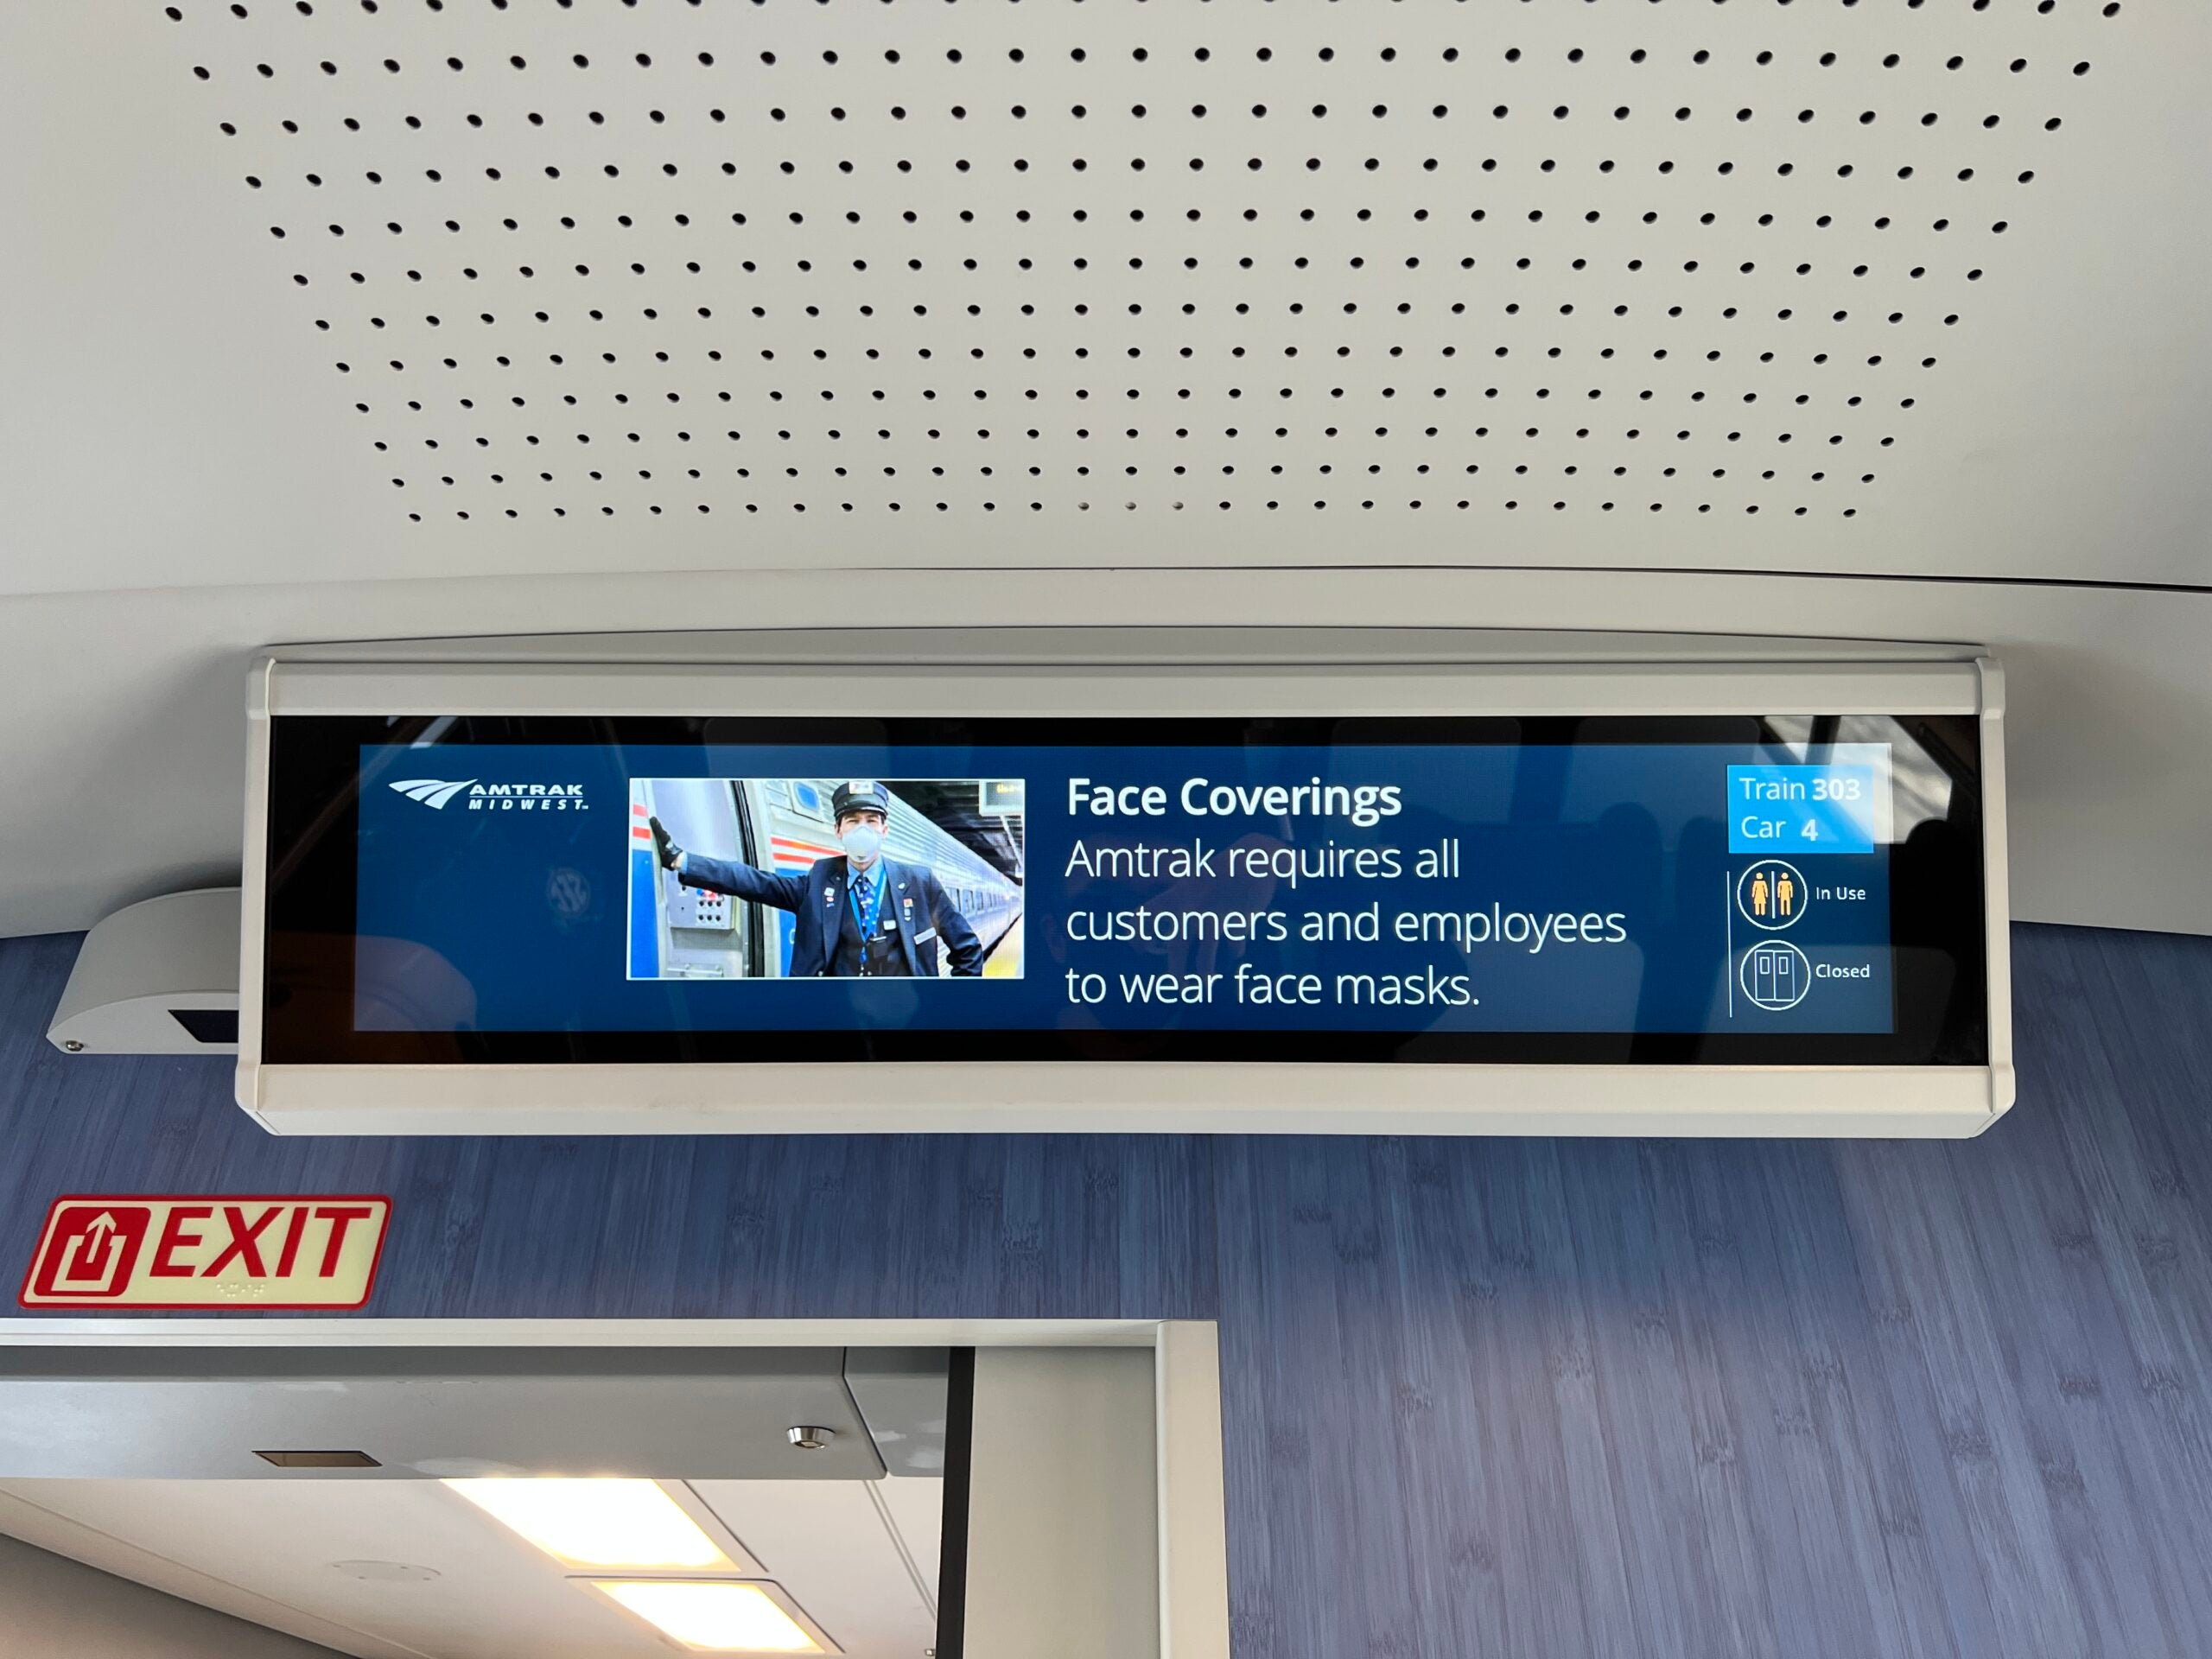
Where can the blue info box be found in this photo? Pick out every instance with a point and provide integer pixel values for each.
(1786, 810)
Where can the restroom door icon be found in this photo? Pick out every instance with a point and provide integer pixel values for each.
(1776, 975)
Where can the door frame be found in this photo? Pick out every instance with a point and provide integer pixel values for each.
(1191, 1560)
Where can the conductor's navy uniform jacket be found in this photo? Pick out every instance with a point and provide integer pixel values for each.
(914, 917)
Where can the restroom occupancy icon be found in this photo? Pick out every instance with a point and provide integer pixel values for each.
(1771, 895)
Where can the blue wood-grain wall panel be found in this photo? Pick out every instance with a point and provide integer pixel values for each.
(1483, 1397)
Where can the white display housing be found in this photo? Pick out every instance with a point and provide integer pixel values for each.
(1135, 674)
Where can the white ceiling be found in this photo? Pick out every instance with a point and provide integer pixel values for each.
(188, 474)
(266, 1550)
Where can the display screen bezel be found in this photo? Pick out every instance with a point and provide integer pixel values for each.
(1937, 923)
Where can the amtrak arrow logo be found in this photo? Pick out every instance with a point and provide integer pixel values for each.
(431, 791)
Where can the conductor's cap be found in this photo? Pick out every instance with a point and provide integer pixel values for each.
(857, 797)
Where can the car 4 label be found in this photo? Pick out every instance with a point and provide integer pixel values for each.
(207, 1251)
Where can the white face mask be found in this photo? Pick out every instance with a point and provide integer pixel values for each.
(862, 841)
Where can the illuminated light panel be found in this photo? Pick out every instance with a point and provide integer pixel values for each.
(611, 1522)
(713, 1617)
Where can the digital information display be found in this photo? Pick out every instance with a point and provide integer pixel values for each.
(1671, 889)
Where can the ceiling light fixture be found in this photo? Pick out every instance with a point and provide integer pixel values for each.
(609, 1522)
(713, 1617)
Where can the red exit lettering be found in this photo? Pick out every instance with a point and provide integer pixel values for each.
(207, 1251)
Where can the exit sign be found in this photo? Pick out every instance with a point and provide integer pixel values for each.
(207, 1251)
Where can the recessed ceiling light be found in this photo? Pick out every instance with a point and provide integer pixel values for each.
(613, 1522)
(724, 1617)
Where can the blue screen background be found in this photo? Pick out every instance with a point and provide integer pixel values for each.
(531, 907)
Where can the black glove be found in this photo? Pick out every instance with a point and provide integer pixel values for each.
(663, 849)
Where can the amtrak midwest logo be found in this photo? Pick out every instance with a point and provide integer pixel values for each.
(438, 793)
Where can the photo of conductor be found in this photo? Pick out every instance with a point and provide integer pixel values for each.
(824, 878)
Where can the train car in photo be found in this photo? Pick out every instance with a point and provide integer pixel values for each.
(782, 824)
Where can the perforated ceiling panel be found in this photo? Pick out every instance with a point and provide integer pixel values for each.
(1353, 281)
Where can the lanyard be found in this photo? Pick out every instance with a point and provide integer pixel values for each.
(874, 900)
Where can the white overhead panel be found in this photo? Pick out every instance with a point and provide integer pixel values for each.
(410, 1571)
(668, 285)
(221, 1413)
(818, 1534)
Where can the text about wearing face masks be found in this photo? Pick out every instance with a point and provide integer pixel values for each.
(1223, 907)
